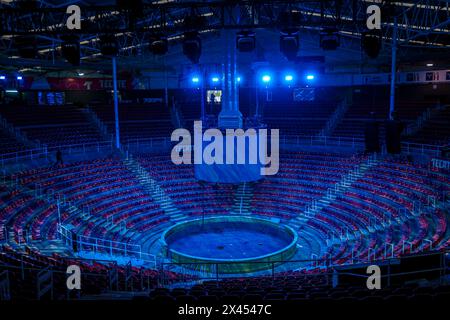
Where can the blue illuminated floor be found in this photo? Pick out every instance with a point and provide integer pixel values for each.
(229, 244)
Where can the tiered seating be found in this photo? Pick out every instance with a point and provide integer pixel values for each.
(23, 267)
(435, 130)
(298, 118)
(302, 178)
(138, 121)
(9, 144)
(353, 123)
(189, 195)
(296, 287)
(381, 197)
(53, 126)
(104, 186)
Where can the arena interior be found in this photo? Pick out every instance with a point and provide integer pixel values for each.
(94, 204)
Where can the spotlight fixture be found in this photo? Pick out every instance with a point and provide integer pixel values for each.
(310, 77)
(238, 79)
(70, 49)
(329, 39)
(195, 79)
(245, 41)
(430, 64)
(19, 78)
(371, 43)
(2, 77)
(289, 44)
(159, 45)
(215, 79)
(192, 46)
(288, 78)
(266, 78)
(109, 45)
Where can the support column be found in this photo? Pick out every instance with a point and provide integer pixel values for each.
(116, 103)
(230, 116)
(393, 70)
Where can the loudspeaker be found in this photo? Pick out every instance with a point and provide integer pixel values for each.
(394, 130)
(372, 136)
(70, 49)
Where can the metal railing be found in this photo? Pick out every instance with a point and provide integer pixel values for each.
(205, 271)
(99, 246)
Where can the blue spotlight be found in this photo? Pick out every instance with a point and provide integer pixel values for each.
(266, 78)
(288, 78)
(19, 78)
(2, 77)
(238, 79)
(215, 79)
(310, 77)
(195, 79)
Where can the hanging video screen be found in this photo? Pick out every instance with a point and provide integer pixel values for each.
(214, 96)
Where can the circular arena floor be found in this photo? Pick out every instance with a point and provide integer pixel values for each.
(238, 244)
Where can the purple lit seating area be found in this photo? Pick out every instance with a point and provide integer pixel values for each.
(96, 274)
(142, 121)
(302, 178)
(297, 287)
(9, 144)
(105, 188)
(297, 118)
(354, 121)
(436, 130)
(52, 125)
(378, 201)
(189, 195)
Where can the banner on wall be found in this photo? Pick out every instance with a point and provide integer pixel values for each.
(88, 84)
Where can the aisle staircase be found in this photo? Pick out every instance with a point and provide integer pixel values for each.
(332, 193)
(98, 124)
(335, 119)
(17, 134)
(151, 186)
(242, 199)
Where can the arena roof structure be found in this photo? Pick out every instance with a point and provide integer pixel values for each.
(423, 30)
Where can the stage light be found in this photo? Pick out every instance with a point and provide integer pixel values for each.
(245, 41)
(70, 49)
(215, 79)
(430, 64)
(80, 74)
(329, 39)
(19, 78)
(195, 79)
(192, 46)
(289, 44)
(266, 78)
(159, 45)
(109, 45)
(2, 77)
(371, 43)
(288, 78)
(238, 79)
(310, 77)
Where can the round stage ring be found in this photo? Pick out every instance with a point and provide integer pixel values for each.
(230, 265)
